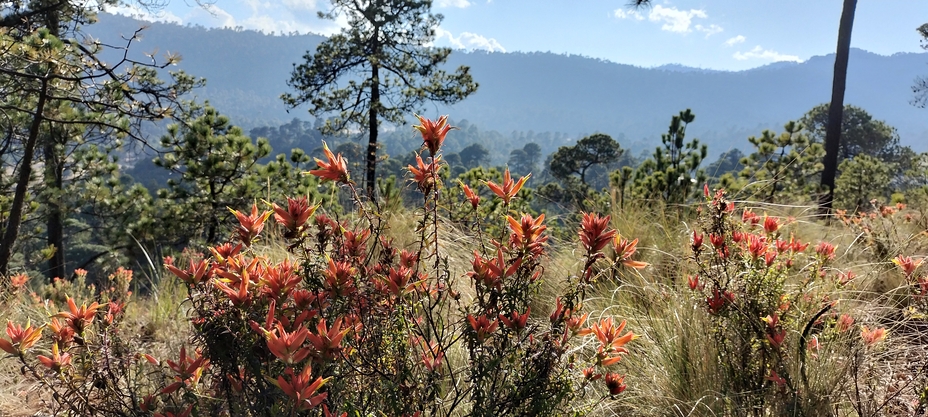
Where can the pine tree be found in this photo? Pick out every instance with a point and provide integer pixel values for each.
(382, 67)
(782, 165)
(672, 173)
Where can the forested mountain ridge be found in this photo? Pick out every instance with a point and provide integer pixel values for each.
(247, 71)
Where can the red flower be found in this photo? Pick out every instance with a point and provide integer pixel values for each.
(697, 241)
(301, 388)
(296, 214)
(335, 169)
(527, 233)
(62, 335)
(844, 323)
(432, 356)
(717, 240)
(250, 226)
(693, 282)
(426, 175)
(327, 340)
(826, 250)
(515, 321)
(615, 383)
(188, 370)
(595, 233)
(338, 277)
(471, 195)
(907, 264)
(750, 217)
(20, 339)
(57, 361)
(509, 189)
(771, 224)
(483, 326)
(718, 300)
(757, 246)
(288, 346)
(433, 132)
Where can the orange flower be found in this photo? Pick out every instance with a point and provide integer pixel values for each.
(288, 346)
(192, 275)
(250, 226)
(611, 340)
(301, 388)
(239, 296)
(78, 318)
(426, 175)
(595, 233)
(615, 383)
(61, 334)
(57, 361)
(335, 169)
(296, 214)
(509, 189)
(20, 339)
(872, 337)
(279, 281)
(433, 132)
(471, 195)
(624, 251)
(19, 280)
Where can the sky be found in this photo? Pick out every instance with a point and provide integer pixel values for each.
(719, 34)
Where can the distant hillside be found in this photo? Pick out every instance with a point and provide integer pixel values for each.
(247, 71)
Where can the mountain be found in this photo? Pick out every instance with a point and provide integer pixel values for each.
(247, 71)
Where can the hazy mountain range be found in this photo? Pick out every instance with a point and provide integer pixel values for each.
(247, 71)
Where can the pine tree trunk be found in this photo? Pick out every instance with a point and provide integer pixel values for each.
(22, 183)
(55, 219)
(372, 122)
(836, 108)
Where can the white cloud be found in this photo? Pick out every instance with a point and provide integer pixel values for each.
(674, 20)
(453, 3)
(140, 13)
(736, 40)
(765, 54)
(470, 41)
(627, 14)
(709, 30)
(300, 4)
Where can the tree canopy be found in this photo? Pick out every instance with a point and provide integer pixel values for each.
(382, 67)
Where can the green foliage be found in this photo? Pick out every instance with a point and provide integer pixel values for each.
(570, 165)
(673, 172)
(525, 161)
(217, 167)
(863, 178)
(782, 167)
(860, 134)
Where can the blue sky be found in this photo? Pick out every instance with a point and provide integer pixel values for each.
(717, 34)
